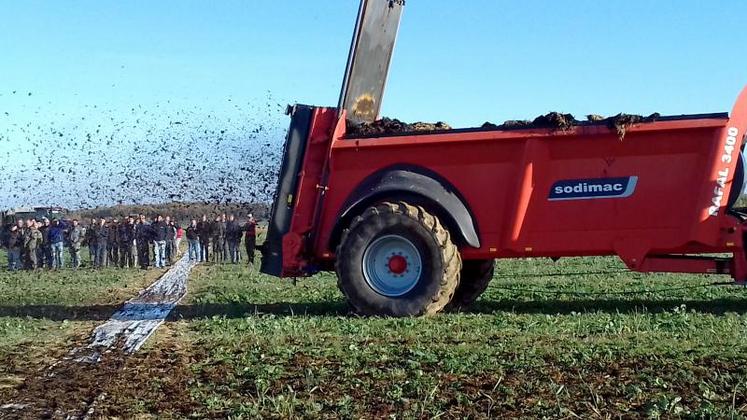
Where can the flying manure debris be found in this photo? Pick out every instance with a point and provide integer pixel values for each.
(140, 154)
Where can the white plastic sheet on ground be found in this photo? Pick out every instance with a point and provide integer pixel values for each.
(139, 317)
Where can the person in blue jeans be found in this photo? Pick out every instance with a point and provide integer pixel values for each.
(56, 235)
(14, 242)
(159, 229)
(193, 239)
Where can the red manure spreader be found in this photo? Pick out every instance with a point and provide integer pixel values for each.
(412, 222)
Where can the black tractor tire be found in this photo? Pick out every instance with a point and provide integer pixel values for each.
(441, 261)
(474, 280)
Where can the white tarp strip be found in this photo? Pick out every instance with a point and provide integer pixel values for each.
(139, 317)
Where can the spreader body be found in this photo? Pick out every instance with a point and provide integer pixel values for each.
(660, 196)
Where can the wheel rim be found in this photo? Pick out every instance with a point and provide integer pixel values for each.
(392, 265)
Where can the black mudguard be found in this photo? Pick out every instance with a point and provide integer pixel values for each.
(418, 186)
(284, 202)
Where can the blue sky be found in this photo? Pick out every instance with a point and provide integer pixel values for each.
(461, 62)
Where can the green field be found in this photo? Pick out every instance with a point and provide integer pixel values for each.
(548, 339)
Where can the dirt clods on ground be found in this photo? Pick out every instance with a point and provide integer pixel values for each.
(68, 388)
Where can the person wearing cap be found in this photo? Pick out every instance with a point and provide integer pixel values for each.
(56, 240)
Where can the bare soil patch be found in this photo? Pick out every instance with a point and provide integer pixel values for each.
(159, 378)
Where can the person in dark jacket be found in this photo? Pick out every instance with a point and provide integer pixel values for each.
(56, 240)
(75, 235)
(32, 240)
(170, 240)
(219, 235)
(102, 238)
(14, 243)
(250, 238)
(143, 237)
(233, 237)
(91, 241)
(193, 241)
(204, 230)
(126, 237)
(224, 241)
(44, 250)
(113, 243)
(159, 241)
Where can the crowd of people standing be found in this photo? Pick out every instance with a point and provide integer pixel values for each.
(131, 242)
(219, 240)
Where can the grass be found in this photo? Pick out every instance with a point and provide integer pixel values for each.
(546, 340)
(262, 347)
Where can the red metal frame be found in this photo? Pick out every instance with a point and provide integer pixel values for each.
(309, 193)
(505, 176)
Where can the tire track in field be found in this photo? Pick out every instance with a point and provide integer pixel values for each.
(71, 387)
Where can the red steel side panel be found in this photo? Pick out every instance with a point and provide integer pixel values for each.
(506, 178)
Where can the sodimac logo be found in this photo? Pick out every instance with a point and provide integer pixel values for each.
(590, 189)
